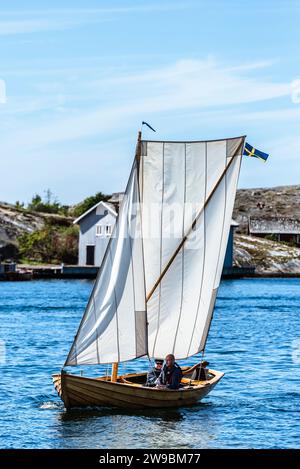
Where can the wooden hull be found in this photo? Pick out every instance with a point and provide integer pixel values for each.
(79, 391)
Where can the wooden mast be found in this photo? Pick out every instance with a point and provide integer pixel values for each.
(114, 372)
(115, 365)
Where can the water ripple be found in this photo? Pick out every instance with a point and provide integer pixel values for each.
(252, 340)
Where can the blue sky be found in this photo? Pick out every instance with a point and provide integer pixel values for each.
(80, 77)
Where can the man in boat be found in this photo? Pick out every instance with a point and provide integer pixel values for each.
(171, 374)
(153, 374)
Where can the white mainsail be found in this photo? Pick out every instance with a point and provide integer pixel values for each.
(156, 288)
(181, 181)
(113, 328)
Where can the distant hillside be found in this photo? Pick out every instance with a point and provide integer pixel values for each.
(16, 222)
(275, 201)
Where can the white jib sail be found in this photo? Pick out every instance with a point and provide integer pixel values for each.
(181, 181)
(113, 328)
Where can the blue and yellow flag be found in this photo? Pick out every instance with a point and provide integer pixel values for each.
(251, 151)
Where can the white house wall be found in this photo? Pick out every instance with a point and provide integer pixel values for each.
(88, 236)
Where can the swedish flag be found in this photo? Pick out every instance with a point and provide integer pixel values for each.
(251, 151)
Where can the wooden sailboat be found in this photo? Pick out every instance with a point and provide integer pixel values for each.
(157, 285)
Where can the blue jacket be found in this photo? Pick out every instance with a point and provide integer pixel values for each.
(170, 377)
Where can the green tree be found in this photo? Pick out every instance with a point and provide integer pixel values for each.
(35, 202)
(88, 203)
(48, 204)
(51, 244)
(19, 205)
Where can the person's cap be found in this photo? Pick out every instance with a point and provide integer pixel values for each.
(159, 361)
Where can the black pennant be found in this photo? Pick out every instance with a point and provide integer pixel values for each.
(148, 125)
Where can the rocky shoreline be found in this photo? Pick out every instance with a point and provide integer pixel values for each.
(268, 257)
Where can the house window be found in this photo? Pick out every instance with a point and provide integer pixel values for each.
(103, 230)
(99, 230)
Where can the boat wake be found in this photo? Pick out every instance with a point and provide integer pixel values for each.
(51, 405)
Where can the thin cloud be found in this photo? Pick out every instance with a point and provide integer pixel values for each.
(253, 65)
(133, 8)
(278, 115)
(13, 22)
(186, 85)
(192, 83)
(39, 25)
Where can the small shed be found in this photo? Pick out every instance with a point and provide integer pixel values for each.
(95, 227)
(280, 228)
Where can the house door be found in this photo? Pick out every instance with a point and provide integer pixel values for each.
(90, 255)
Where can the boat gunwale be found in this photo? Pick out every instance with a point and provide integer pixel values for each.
(217, 375)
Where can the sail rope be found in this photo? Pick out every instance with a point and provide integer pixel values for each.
(151, 364)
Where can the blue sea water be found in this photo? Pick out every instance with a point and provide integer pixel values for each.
(254, 339)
